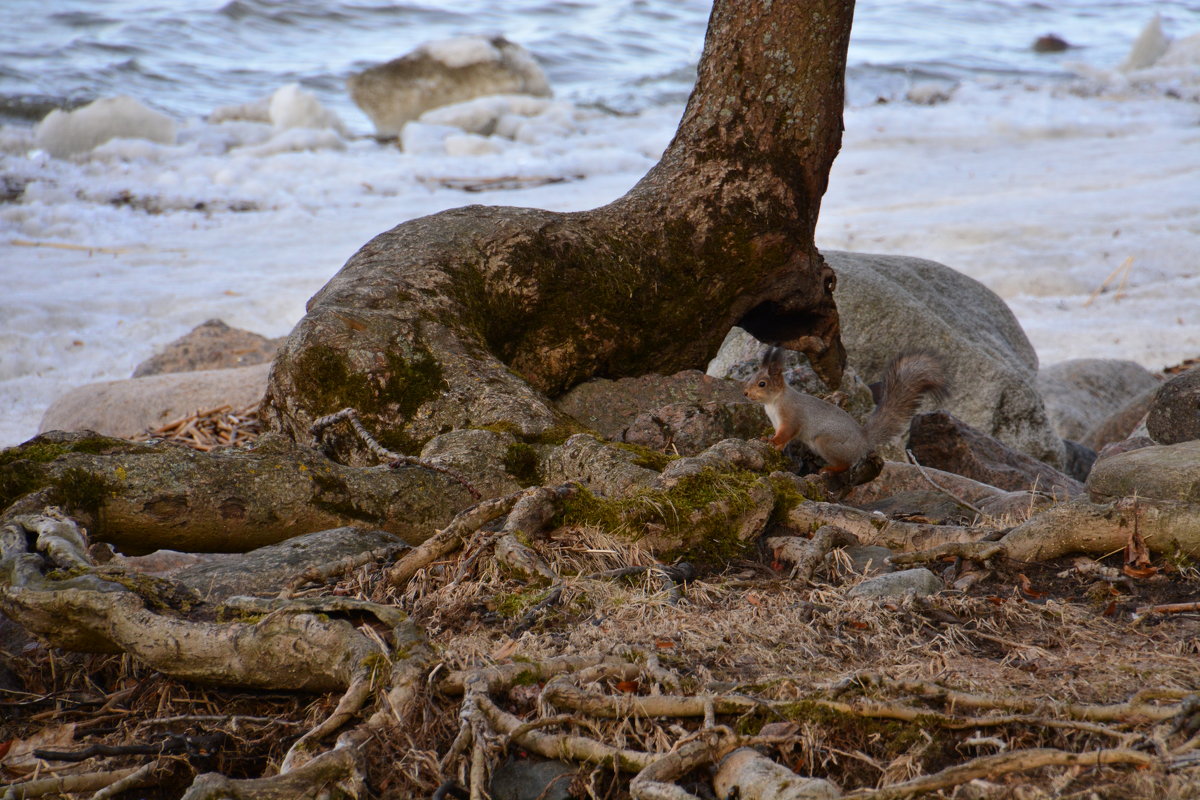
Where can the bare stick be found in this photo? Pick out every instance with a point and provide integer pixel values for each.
(143, 777)
(1000, 764)
(1170, 608)
(450, 538)
(925, 474)
(66, 784)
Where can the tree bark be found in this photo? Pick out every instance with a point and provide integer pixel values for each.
(477, 315)
(141, 496)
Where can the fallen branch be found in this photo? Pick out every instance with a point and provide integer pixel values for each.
(1001, 764)
(968, 551)
(67, 784)
(1081, 526)
(450, 538)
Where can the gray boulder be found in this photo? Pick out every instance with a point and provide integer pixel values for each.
(1082, 393)
(268, 570)
(609, 407)
(495, 462)
(1175, 412)
(210, 345)
(129, 407)
(1121, 423)
(444, 72)
(689, 428)
(889, 304)
(919, 581)
(941, 440)
(1168, 472)
(893, 303)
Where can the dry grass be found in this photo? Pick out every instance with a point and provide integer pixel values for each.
(744, 631)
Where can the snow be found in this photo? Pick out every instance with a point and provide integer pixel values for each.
(462, 51)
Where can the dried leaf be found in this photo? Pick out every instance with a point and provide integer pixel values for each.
(628, 687)
(664, 644)
(1137, 554)
(857, 624)
(1027, 587)
(753, 600)
(779, 729)
(1139, 572)
(20, 759)
(505, 650)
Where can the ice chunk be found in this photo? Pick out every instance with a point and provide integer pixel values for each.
(66, 133)
(462, 51)
(292, 107)
(1149, 47)
(1183, 52)
(469, 144)
(419, 138)
(481, 114)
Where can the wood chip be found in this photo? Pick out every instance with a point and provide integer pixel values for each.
(205, 429)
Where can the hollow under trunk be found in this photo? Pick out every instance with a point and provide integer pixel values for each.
(476, 316)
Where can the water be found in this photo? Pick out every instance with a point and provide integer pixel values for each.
(627, 55)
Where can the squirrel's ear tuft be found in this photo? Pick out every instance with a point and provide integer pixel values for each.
(773, 361)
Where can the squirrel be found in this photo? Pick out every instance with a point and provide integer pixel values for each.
(829, 431)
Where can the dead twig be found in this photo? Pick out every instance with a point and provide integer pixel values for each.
(912, 459)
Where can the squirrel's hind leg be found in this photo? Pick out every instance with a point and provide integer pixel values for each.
(834, 453)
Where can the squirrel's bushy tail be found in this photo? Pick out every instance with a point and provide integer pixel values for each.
(906, 380)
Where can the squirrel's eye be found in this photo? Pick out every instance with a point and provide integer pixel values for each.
(762, 384)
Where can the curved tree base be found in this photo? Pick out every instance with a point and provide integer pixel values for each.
(474, 317)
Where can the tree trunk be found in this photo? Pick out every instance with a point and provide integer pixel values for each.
(477, 315)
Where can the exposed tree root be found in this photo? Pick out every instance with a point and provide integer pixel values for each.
(335, 772)
(805, 555)
(877, 529)
(1001, 764)
(1136, 709)
(1081, 526)
(450, 538)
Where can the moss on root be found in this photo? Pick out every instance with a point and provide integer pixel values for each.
(23, 469)
(646, 457)
(409, 378)
(521, 461)
(701, 512)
